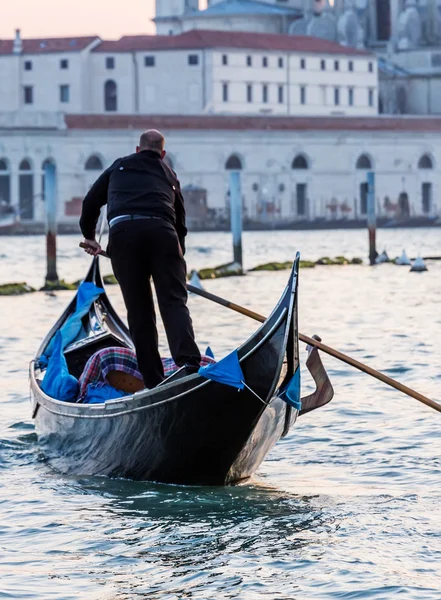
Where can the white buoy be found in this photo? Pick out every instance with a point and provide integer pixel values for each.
(382, 258)
(418, 266)
(403, 259)
(195, 280)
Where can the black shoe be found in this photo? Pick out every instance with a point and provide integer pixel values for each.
(189, 370)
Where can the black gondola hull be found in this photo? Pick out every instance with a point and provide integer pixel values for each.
(189, 431)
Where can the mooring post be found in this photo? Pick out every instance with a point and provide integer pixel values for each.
(50, 196)
(236, 215)
(371, 217)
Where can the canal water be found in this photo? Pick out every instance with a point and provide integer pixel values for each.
(348, 506)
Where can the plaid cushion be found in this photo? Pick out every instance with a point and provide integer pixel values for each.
(120, 359)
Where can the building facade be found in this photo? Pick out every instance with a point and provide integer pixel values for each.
(405, 34)
(197, 72)
(292, 169)
(285, 92)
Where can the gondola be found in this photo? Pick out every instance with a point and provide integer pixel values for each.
(189, 430)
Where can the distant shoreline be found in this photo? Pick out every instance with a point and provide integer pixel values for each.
(317, 225)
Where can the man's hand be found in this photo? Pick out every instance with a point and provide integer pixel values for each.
(92, 247)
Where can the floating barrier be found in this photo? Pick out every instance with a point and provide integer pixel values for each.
(195, 280)
(403, 260)
(419, 266)
(382, 258)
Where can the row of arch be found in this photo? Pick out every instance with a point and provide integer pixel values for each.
(364, 162)
(233, 163)
(26, 193)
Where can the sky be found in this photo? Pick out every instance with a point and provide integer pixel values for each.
(109, 19)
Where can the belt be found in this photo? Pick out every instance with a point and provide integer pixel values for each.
(122, 218)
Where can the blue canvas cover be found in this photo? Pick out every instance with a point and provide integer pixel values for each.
(86, 295)
(227, 371)
(58, 383)
(100, 393)
(291, 394)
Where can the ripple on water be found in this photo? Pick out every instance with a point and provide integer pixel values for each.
(347, 506)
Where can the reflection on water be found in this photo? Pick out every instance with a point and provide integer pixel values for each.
(347, 506)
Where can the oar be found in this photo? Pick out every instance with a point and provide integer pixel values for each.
(312, 342)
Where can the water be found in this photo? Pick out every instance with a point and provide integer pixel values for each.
(346, 507)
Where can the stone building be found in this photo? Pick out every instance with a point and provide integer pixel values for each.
(285, 91)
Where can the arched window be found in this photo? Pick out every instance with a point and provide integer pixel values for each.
(93, 163)
(364, 162)
(25, 165)
(299, 162)
(110, 96)
(26, 190)
(233, 163)
(425, 162)
(5, 181)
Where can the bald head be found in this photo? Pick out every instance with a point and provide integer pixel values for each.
(152, 140)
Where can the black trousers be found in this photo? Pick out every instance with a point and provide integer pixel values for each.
(146, 248)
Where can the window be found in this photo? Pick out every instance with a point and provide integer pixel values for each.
(425, 162)
(224, 59)
(336, 65)
(193, 59)
(249, 61)
(26, 190)
(64, 93)
(371, 97)
(233, 163)
(149, 61)
(249, 92)
(281, 94)
(364, 191)
(225, 92)
(371, 67)
(28, 65)
(364, 162)
(299, 162)
(280, 63)
(110, 96)
(336, 96)
(264, 93)
(93, 163)
(303, 63)
(265, 61)
(301, 199)
(28, 94)
(302, 94)
(110, 62)
(426, 190)
(351, 96)
(350, 65)
(64, 63)
(323, 64)
(5, 181)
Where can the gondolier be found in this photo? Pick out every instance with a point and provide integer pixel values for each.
(146, 216)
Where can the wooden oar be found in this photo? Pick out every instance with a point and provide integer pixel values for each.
(323, 347)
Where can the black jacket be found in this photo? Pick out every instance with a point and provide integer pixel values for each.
(139, 184)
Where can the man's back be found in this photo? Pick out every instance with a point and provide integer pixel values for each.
(147, 232)
(142, 184)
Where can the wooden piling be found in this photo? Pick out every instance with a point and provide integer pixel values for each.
(236, 215)
(50, 195)
(371, 217)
